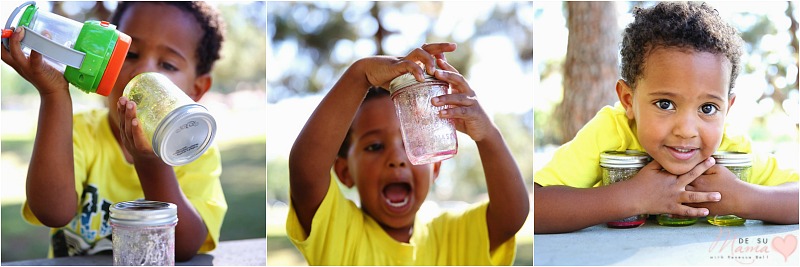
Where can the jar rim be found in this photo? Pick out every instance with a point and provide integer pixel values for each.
(732, 158)
(408, 79)
(143, 213)
(172, 125)
(624, 159)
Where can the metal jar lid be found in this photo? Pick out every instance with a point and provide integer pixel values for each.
(144, 213)
(184, 134)
(733, 159)
(408, 79)
(624, 159)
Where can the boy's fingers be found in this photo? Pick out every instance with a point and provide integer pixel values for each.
(413, 68)
(446, 66)
(457, 112)
(699, 197)
(15, 47)
(456, 81)
(439, 48)
(691, 212)
(454, 99)
(420, 55)
(687, 178)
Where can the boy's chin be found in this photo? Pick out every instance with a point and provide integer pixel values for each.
(679, 169)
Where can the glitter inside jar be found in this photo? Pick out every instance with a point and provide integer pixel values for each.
(427, 137)
(739, 164)
(619, 166)
(143, 233)
(179, 129)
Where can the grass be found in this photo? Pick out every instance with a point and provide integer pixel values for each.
(243, 181)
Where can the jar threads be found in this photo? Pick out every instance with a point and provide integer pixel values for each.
(619, 166)
(427, 138)
(143, 233)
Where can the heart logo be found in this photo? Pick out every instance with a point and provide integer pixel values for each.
(785, 245)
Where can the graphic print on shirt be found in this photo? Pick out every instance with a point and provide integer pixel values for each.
(89, 210)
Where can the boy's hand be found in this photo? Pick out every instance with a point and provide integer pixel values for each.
(131, 132)
(464, 108)
(719, 178)
(662, 192)
(381, 70)
(44, 77)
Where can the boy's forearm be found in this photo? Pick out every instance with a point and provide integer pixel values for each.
(315, 148)
(50, 186)
(159, 183)
(508, 198)
(560, 209)
(774, 204)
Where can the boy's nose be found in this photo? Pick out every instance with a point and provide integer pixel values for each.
(397, 157)
(141, 67)
(686, 126)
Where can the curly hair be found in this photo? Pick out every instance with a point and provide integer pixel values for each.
(373, 93)
(693, 26)
(208, 51)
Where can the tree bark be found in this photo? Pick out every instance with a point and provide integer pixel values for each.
(590, 66)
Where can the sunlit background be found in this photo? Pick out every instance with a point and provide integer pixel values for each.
(766, 104)
(237, 100)
(312, 43)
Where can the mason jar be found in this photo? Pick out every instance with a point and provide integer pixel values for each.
(739, 164)
(427, 137)
(619, 166)
(143, 233)
(179, 129)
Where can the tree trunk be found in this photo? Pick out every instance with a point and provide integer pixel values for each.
(591, 65)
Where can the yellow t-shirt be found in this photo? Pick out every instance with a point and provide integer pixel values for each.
(577, 163)
(341, 234)
(103, 177)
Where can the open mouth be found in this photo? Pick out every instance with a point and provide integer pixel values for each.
(397, 195)
(682, 153)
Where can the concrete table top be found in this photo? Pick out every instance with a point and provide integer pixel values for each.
(755, 242)
(248, 252)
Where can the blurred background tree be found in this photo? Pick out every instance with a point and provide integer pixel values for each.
(237, 100)
(313, 43)
(590, 64)
(767, 88)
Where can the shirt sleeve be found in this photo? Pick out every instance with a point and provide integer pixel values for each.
(577, 163)
(200, 182)
(332, 237)
(464, 239)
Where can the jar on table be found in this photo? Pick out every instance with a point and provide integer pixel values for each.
(739, 164)
(427, 137)
(143, 233)
(619, 166)
(179, 129)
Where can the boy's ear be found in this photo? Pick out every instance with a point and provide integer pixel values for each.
(436, 167)
(731, 99)
(201, 85)
(625, 95)
(343, 172)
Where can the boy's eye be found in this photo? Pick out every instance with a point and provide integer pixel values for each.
(374, 147)
(168, 66)
(131, 55)
(665, 104)
(709, 109)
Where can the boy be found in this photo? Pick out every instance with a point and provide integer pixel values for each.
(330, 230)
(679, 64)
(104, 155)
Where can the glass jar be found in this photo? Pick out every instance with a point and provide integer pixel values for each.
(143, 233)
(179, 129)
(427, 137)
(739, 164)
(619, 166)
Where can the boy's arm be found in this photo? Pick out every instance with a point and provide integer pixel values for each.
(314, 151)
(560, 209)
(159, 182)
(508, 199)
(50, 185)
(775, 204)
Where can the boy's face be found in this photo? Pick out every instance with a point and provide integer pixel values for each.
(390, 188)
(164, 39)
(679, 106)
